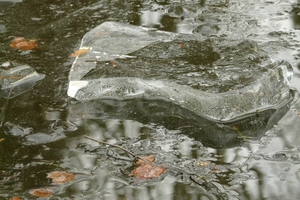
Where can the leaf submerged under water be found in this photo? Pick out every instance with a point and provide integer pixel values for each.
(15, 198)
(23, 44)
(148, 170)
(42, 192)
(61, 177)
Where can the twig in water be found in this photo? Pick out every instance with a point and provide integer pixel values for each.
(207, 185)
(119, 147)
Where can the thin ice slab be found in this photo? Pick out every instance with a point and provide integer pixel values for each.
(219, 82)
(17, 79)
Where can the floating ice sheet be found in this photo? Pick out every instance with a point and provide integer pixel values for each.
(213, 80)
(15, 80)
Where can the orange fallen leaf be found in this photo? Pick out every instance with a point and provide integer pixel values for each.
(80, 52)
(23, 44)
(15, 198)
(61, 177)
(150, 158)
(41, 192)
(148, 171)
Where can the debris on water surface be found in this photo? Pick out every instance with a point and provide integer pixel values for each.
(23, 44)
(203, 163)
(150, 158)
(15, 198)
(61, 177)
(42, 192)
(297, 112)
(148, 168)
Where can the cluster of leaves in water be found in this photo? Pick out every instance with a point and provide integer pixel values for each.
(58, 178)
(147, 164)
(20, 43)
(147, 168)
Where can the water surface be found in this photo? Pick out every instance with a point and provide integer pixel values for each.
(44, 130)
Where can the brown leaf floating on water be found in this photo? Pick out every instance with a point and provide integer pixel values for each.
(61, 177)
(23, 44)
(80, 52)
(147, 171)
(42, 192)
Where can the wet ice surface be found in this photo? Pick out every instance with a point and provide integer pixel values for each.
(17, 79)
(221, 83)
(42, 133)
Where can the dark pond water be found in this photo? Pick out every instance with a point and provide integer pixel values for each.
(43, 130)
